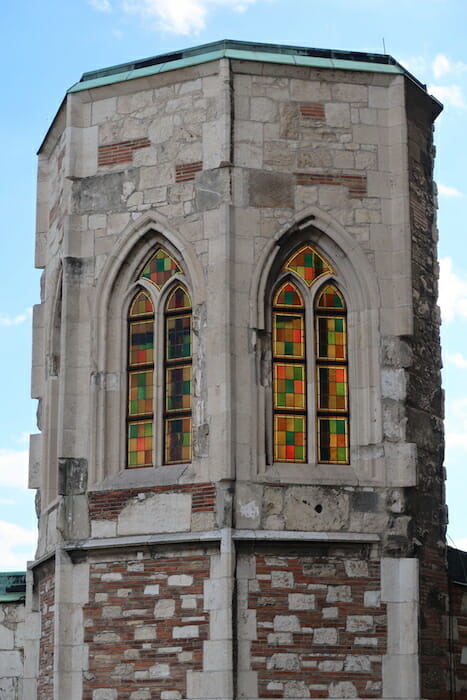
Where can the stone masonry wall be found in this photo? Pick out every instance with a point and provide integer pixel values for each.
(145, 626)
(11, 650)
(425, 406)
(315, 623)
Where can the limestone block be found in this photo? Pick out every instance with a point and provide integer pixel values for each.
(248, 684)
(343, 689)
(268, 189)
(164, 609)
(359, 623)
(284, 662)
(216, 656)
(302, 601)
(11, 664)
(339, 594)
(316, 509)
(282, 579)
(286, 623)
(402, 628)
(35, 446)
(394, 384)
(355, 663)
(401, 676)
(159, 671)
(210, 685)
(337, 114)
(146, 632)
(165, 512)
(325, 635)
(296, 689)
(372, 599)
(8, 688)
(152, 589)
(185, 632)
(330, 613)
(399, 580)
(7, 638)
(263, 109)
(180, 580)
(331, 666)
(356, 568)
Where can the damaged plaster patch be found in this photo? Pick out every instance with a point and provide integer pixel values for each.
(249, 510)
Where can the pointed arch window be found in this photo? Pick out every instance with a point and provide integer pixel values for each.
(159, 424)
(309, 363)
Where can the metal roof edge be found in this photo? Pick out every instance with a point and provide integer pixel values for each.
(238, 54)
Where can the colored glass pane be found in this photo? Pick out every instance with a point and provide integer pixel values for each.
(141, 305)
(289, 438)
(288, 295)
(330, 298)
(178, 339)
(141, 350)
(160, 268)
(140, 444)
(332, 388)
(178, 440)
(178, 388)
(308, 264)
(140, 393)
(179, 299)
(331, 338)
(289, 386)
(333, 442)
(288, 336)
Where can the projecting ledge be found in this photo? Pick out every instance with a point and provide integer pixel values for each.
(298, 535)
(220, 536)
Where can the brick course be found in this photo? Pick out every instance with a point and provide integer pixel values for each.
(106, 505)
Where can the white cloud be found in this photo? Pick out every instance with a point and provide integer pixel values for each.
(457, 359)
(17, 546)
(448, 95)
(452, 292)
(6, 320)
(415, 65)
(101, 5)
(14, 468)
(446, 191)
(180, 16)
(442, 65)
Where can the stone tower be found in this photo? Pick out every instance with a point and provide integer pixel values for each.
(237, 362)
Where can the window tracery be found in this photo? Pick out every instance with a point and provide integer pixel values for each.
(309, 362)
(159, 312)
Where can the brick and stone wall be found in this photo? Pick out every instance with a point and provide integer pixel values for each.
(314, 620)
(145, 626)
(46, 591)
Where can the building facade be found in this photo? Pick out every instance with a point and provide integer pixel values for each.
(237, 362)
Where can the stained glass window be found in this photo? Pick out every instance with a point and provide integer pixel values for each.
(292, 421)
(178, 378)
(160, 268)
(167, 413)
(331, 377)
(308, 264)
(289, 375)
(140, 381)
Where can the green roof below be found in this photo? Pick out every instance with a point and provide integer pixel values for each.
(243, 51)
(12, 586)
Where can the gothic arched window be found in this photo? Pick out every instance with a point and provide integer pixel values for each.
(309, 363)
(159, 367)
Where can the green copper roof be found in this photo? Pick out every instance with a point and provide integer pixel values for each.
(12, 586)
(243, 51)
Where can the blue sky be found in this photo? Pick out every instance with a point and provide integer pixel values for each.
(45, 48)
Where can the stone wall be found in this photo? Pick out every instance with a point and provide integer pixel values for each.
(11, 650)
